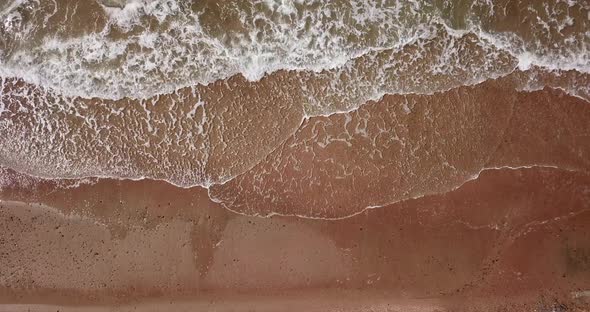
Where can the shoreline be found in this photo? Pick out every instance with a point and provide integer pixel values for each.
(319, 300)
(146, 240)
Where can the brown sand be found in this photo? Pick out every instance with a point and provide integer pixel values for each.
(508, 234)
(444, 237)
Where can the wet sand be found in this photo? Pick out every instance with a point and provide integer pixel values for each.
(509, 234)
(408, 202)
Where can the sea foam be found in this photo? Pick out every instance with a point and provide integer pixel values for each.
(186, 50)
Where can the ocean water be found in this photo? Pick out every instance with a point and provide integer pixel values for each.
(113, 49)
(199, 92)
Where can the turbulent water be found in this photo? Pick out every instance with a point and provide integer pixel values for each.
(140, 48)
(201, 92)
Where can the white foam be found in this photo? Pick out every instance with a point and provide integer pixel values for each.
(79, 67)
(132, 11)
(10, 7)
(184, 54)
(525, 61)
(2, 104)
(292, 38)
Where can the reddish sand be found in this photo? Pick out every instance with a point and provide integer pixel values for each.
(510, 237)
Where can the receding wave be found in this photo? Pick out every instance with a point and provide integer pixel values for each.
(203, 92)
(211, 134)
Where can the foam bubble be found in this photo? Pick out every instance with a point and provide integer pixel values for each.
(192, 43)
(525, 60)
(186, 50)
